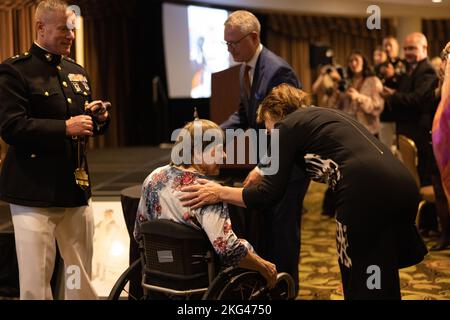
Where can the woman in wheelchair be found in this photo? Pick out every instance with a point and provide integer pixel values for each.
(160, 200)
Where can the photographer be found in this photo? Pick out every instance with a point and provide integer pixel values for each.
(323, 87)
(393, 68)
(358, 93)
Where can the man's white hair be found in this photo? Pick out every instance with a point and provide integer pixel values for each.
(244, 20)
(46, 6)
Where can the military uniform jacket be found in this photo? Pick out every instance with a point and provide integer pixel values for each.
(39, 91)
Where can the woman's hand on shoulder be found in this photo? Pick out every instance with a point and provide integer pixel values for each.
(198, 195)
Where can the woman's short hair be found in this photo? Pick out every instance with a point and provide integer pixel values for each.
(281, 101)
(200, 126)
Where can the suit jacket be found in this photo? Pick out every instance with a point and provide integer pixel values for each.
(409, 106)
(270, 71)
(39, 91)
(412, 108)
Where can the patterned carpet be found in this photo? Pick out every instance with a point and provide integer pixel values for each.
(319, 270)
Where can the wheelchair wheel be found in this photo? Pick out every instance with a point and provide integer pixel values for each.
(240, 284)
(134, 270)
(284, 289)
(235, 284)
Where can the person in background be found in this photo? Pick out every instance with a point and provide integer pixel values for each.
(394, 66)
(412, 107)
(325, 84)
(379, 59)
(409, 104)
(359, 94)
(261, 70)
(390, 73)
(46, 116)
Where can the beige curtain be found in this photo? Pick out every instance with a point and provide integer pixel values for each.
(107, 59)
(17, 34)
(107, 63)
(295, 52)
(16, 27)
(290, 36)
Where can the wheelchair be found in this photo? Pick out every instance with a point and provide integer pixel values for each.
(178, 262)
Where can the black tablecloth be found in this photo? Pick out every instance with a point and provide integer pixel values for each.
(130, 200)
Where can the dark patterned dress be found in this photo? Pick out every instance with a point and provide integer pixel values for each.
(376, 197)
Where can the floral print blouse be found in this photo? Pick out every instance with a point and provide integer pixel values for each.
(159, 200)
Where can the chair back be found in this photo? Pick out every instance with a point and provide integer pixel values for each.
(176, 256)
(408, 151)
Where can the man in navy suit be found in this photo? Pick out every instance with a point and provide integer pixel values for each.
(262, 70)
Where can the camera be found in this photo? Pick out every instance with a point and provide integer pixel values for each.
(329, 69)
(88, 112)
(99, 111)
(342, 83)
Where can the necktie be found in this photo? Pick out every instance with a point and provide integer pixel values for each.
(247, 84)
(411, 69)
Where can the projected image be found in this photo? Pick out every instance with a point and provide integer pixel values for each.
(111, 246)
(207, 54)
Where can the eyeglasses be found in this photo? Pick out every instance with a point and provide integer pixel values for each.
(235, 43)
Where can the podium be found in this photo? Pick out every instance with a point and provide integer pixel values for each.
(225, 98)
(225, 94)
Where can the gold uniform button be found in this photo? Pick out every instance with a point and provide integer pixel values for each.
(33, 156)
(46, 93)
(64, 84)
(69, 100)
(85, 93)
(26, 53)
(59, 68)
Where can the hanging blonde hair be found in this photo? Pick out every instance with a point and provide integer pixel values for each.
(281, 101)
